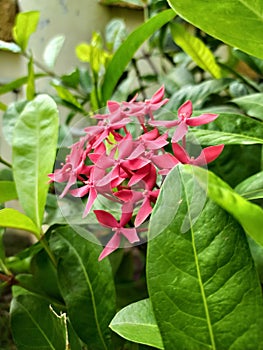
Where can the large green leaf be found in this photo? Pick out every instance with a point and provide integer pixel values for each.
(202, 282)
(251, 104)
(249, 215)
(196, 49)
(13, 218)
(7, 191)
(35, 325)
(251, 188)
(10, 118)
(125, 52)
(86, 285)
(34, 150)
(136, 322)
(238, 23)
(26, 24)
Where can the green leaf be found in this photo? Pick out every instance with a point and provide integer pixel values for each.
(196, 49)
(86, 285)
(34, 151)
(136, 323)
(13, 218)
(26, 24)
(67, 96)
(12, 47)
(202, 282)
(251, 188)
(30, 91)
(52, 50)
(7, 191)
(251, 104)
(35, 325)
(16, 84)
(10, 118)
(249, 215)
(238, 23)
(126, 51)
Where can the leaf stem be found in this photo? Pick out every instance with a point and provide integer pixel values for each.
(45, 245)
(5, 162)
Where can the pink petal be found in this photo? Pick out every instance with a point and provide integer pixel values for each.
(113, 106)
(150, 135)
(92, 196)
(106, 219)
(112, 245)
(80, 192)
(166, 123)
(202, 119)
(158, 95)
(180, 132)
(143, 212)
(71, 181)
(208, 154)
(158, 143)
(180, 153)
(130, 234)
(165, 161)
(125, 218)
(186, 110)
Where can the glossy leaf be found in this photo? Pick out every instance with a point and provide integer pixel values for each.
(7, 191)
(25, 26)
(10, 118)
(12, 47)
(35, 325)
(52, 50)
(126, 51)
(251, 188)
(249, 215)
(251, 104)
(136, 323)
(237, 23)
(196, 49)
(202, 282)
(34, 150)
(13, 218)
(86, 285)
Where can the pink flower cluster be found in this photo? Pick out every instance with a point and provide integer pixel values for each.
(110, 161)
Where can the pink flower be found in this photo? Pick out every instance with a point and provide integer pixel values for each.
(108, 220)
(184, 120)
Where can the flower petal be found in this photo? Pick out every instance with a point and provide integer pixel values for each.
(180, 132)
(130, 234)
(112, 245)
(106, 219)
(208, 154)
(202, 119)
(180, 153)
(186, 110)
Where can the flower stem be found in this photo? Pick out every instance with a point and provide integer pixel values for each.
(5, 162)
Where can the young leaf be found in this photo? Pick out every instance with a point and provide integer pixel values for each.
(26, 24)
(196, 49)
(13, 218)
(30, 91)
(7, 191)
(86, 285)
(251, 104)
(251, 188)
(213, 18)
(249, 215)
(52, 50)
(35, 325)
(34, 150)
(125, 52)
(136, 323)
(12, 47)
(202, 282)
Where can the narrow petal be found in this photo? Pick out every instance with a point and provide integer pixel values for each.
(112, 245)
(144, 211)
(130, 234)
(202, 119)
(125, 218)
(106, 219)
(186, 110)
(158, 95)
(91, 199)
(180, 132)
(166, 123)
(208, 154)
(180, 153)
(80, 192)
(165, 161)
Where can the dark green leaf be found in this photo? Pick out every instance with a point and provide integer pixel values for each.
(35, 325)
(7, 191)
(34, 151)
(67, 96)
(136, 322)
(12, 218)
(86, 285)
(251, 188)
(26, 24)
(237, 23)
(202, 282)
(251, 104)
(126, 51)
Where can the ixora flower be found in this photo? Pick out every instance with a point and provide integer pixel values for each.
(128, 169)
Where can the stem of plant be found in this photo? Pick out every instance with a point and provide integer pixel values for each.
(45, 245)
(5, 163)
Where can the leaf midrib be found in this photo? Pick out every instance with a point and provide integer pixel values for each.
(251, 9)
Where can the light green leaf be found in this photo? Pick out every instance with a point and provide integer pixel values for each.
(10, 118)
(26, 25)
(86, 284)
(196, 49)
(238, 23)
(7, 191)
(202, 282)
(30, 91)
(125, 52)
(249, 215)
(34, 151)
(3, 106)
(12, 47)
(136, 323)
(251, 188)
(208, 137)
(67, 96)
(35, 325)
(13, 218)
(251, 104)
(52, 50)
